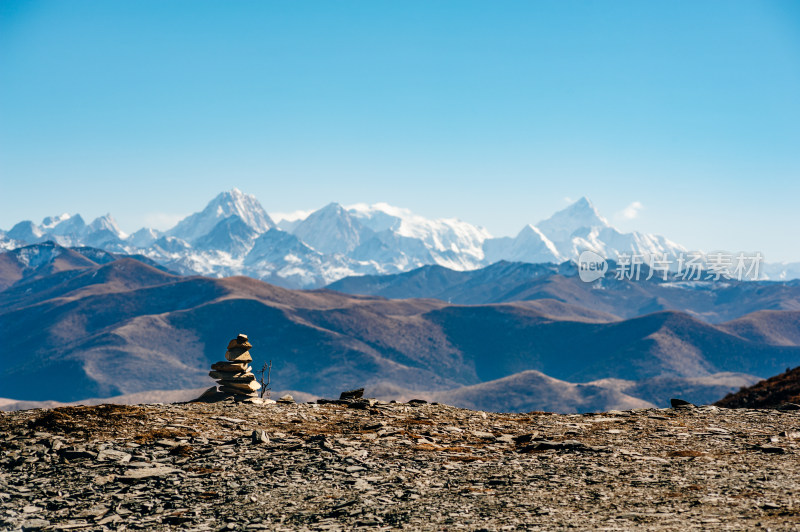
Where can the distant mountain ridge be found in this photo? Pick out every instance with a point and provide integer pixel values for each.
(112, 326)
(506, 282)
(234, 235)
(22, 267)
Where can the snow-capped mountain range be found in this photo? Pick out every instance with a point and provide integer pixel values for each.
(234, 235)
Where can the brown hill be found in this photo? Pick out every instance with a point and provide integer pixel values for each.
(771, 393)
(125, 327)
(522, 392)
(768, 327)
(504, 282)
(39, 261)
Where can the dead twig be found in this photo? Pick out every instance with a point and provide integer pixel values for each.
(265, 385)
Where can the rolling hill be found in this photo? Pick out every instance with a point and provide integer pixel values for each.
(504, 282)
(126, 327)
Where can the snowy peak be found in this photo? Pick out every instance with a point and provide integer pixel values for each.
(562, 225)
(227, 204)
(532, 242)
(331, 230)
(444, 235)
(246, 207)
(231, 235)
(105, 223)
(531, 231)
(276, 245)
(103, 233)
(26, 231)
(379, 216)
(530, 245)
(71, 226)
(144, 237)
(65, 229)
(51, 221)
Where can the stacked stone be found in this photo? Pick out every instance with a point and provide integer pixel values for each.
(235, 375)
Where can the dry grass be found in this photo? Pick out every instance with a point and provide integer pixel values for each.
(87, 420)
(686, 454)
(160, 434)
(181, 450)
(770, 393)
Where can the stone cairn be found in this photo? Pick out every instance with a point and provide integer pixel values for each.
(235, 375)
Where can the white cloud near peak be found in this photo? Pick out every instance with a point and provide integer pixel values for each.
(289, 216)
(631, 211)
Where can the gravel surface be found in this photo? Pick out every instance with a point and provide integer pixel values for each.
(236, 466)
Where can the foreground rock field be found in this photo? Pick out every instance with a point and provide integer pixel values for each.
(391, 466)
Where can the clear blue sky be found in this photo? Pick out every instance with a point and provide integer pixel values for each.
(493, 112)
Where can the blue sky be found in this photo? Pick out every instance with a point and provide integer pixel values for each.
(492, 112)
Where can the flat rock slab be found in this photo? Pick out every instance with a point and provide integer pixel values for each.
(114, 456)
(145, 473)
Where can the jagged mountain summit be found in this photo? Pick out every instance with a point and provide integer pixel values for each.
(332, 230)
(236, 205)
(561, 226)
(67, 230)
(234, 235)
(530, 245)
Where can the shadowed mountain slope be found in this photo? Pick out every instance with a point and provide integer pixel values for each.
(770, 393)
(124, 327)
(503, 282)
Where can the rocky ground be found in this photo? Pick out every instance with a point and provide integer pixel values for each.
(236, 466)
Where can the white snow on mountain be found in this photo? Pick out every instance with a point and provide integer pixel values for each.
(170, 247)
(781, 271)
(103, 233)
(51, 221)
(144, 237)
(225, 205)
(580, 215)
(26, 231)
(451, 242)
(580, 227)
(9, 243)
(530, 245)
(67, 226)
(278, 256)
(233, 235)
(332, 229)
(35, 256)
(105, 223)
